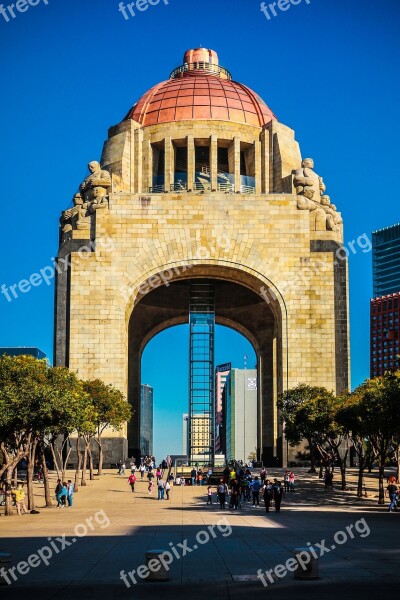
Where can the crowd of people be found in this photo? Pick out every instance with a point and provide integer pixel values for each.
(159, 477)
(238, 487)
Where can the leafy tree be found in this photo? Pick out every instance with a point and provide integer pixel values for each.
(110, 410)
(303, 419)
(377, 418)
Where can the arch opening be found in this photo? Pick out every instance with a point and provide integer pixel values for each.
(238, 307)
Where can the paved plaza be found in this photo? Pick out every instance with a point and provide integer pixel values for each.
(122, 526)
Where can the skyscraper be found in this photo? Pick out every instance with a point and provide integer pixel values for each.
(384, 315)
(146, 419)
(386, 260)
(221, 374)
(241, 414)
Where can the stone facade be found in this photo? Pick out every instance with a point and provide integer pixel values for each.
(276, 272)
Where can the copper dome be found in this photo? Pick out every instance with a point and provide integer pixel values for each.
(200, 89)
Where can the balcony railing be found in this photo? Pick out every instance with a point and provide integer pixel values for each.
(228, 188)
(201, 66)
(247, 189)
(156, 189)
(180, 186)
(202, 187)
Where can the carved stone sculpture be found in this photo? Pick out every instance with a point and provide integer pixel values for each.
(309, 189)
(333, 218)
(100, 199)
(98, 178)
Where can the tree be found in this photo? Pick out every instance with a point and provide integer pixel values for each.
(110, 409)
(22, 388)
(37, 402)
(303, 420)
(379, 419)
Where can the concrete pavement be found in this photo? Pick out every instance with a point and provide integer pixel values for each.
(213, 550)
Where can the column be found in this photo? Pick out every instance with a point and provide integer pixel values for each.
(190, 162)
(214, 162)
(234, 161)
(236, 150)
(148, 165)
(138, 183)
(169, 172)
(257, 166)
(265, 161)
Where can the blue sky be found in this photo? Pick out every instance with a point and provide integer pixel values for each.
(72, 68)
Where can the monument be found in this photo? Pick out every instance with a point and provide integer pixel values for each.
(201, 182)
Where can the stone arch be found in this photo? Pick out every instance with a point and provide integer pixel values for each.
(241, 305)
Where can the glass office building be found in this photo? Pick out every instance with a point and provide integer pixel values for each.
(386, 261)
(146, 420)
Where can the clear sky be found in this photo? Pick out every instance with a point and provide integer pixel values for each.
(72, 68)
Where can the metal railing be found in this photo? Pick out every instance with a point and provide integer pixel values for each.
(201, 66)
(199, 186)
(247, 189)
(156, 189)
(228, 188)
(178, 187)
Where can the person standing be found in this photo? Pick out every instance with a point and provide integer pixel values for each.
(132, 481)
(161, 489)
(255, 488)
(392, 493)
(142, 470)
(200, 477)
(291, 481)
(267, 494)
(286, 481)
(167, 489)
(222, 490)
(278, 493)
(193, 475)
(59, 492)
(263, 475)
(235, 497)
(70, 493)
(209, 495)
(19, 495)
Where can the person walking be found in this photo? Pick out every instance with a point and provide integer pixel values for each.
(70, 493)
(278, 493)
(267, 494)
(167, 489)
(193, 475)
(123, 467)
(263, 475)
(132, 481)
(286, 481)
(235, 495)
(222, 491)
(209, 495)
(142, 470)
(19, 495)
(161, 489)
(255, 488)
(61, 493)
(291, 481)
(209, 475)
(150, 477)
(392, 493)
